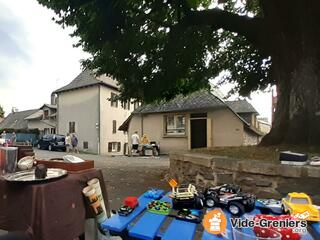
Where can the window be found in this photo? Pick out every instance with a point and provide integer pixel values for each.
(72, 127)
(45, 114)
(47, 131)
(53, 131)
(114, 146)
(299, 201)
(113, 100)
(85, 145)
(175, 125)
(136, 105)
(114, 126)
(126, 105)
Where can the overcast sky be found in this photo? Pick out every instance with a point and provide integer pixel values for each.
(37, 57)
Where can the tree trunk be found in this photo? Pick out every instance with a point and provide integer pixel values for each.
(294, 43)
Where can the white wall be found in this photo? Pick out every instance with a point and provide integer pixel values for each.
(153, 126)
(227, 128)
(107, 115)
(80, 106)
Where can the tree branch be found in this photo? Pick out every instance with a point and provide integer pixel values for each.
(217, 18)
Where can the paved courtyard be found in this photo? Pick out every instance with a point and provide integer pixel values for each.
(124, 176)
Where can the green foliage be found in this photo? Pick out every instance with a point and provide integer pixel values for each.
(1, 112)
(148, 48)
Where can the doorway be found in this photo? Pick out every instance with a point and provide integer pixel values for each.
(198, 133)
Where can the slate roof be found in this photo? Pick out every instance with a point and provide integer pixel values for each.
(49, 106)
(84, 79)
(241, 106)
(199, 100)
(17, 120)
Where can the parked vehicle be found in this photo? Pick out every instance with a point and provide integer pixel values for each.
(230, 197)
(52, 142)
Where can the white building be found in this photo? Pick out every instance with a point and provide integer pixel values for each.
(87, 107)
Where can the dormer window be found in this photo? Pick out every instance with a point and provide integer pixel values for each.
(45, 114)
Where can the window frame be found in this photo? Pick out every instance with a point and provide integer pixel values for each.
(114, 126)
(175, 129)
(113, 100)
(74, 127)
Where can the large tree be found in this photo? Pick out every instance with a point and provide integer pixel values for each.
(1, 112)
(159, 48)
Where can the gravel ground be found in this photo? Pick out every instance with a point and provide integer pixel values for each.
(124, 176)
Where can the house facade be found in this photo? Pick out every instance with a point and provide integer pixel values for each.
(45, 120)
(88, 107)
(196, 121)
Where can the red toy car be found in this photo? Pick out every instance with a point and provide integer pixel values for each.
(286, 233)
(131, 202)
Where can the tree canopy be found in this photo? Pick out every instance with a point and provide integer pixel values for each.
(157, 49)
(1, 112)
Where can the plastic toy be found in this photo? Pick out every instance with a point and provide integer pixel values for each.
(186, 196)
(130, 203)
(189, 215)
(125, 210)
(159, 207)
(230, 197)
(300, 206)
(286, 233)
(153, 194)
(269, 205)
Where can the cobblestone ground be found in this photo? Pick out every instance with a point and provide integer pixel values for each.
(124, 176)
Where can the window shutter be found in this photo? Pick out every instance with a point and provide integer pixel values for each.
(109, 147)
(119, 146)
(114, 126)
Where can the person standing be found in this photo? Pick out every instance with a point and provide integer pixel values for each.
(14, 138)
(74, 142)
(68, 143)
(3, 135)
(135, 141)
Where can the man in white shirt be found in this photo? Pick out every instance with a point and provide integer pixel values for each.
(135, 141)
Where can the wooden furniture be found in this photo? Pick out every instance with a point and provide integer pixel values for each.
(50, 210)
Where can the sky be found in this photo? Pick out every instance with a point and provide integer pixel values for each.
(37, 57)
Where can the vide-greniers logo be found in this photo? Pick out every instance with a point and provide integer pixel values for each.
(297, 226)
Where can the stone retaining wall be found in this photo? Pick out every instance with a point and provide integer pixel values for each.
(266, 180)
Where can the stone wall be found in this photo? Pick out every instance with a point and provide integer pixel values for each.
(266, 180)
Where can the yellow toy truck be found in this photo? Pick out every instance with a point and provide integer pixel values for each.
(300, 206)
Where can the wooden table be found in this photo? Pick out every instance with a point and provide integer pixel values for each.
(54, 210)
(141, 224)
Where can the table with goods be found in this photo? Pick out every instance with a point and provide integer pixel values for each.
(45, 199)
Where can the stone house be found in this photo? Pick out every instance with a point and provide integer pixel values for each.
(198, 120)
(45, 119)
(88, 106)
(16, 120)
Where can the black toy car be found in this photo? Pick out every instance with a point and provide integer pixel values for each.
(186, 196)
(230, 197)
(125, 210)
(190, 215)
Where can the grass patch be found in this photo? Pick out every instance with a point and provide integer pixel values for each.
(267, 154)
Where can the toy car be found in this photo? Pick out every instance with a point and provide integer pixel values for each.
(125, 210)
(300, 206)
(130, 203)
(230, 197)
(190, 215)
(186, 196)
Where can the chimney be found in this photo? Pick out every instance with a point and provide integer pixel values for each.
(14, 109)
